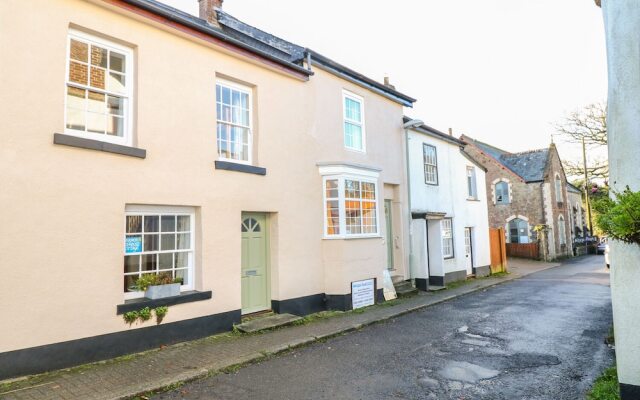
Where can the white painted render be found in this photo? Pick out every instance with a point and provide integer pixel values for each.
(449, 196)
(622, 29)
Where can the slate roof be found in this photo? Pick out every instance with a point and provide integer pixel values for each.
(573, 188)
(529, 165)
(243, 35)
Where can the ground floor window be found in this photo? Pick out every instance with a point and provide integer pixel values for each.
(446, 226)
(351, 207)
(158, 242)
(518, 231)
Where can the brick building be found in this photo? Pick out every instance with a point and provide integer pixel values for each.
(527, 196)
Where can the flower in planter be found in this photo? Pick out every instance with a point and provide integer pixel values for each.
(143, 283)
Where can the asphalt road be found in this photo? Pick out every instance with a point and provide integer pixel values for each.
(540, 337)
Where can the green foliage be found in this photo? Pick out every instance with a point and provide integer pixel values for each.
(160, 313)
(606, 386)
(130, 317)
(147, 280)
(619, 218)
(144, 314)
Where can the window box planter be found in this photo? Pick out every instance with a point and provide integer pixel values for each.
(154, 292)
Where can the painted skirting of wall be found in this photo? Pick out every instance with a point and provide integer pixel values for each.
(449, 277)
(300, 306)
(629, 392)
(50, 357)
(422, 284)
(482, 271)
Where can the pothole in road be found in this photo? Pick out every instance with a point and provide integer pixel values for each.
(466, 372)
(530, 360)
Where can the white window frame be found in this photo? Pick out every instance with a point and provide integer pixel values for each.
(352, 96)
(443, 229)
(506, 200)
(471, 174)
(434, 165)
(245, 89)
(127, 138)
(341, 174)
(132, 210)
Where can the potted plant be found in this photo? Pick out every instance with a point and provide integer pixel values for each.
(158, 286)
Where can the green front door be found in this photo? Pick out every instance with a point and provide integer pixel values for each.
(389, 225)
(255, 272)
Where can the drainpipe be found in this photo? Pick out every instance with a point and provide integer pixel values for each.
(414, 123)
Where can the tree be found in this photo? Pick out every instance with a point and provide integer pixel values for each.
(588, 124)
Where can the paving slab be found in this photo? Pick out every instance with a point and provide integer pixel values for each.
(268, 322)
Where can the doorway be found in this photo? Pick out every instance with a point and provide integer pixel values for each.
(255, 265)
(389, 228)
(468, 249)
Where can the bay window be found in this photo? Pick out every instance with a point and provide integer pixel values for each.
(99, 85)
(351, 207)
(158, 241)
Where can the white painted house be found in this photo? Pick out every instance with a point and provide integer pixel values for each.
(622, 31)
(448, 202)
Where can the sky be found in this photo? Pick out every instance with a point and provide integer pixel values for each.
(500, 71)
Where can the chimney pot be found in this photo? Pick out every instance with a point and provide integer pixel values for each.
(388, 84)
(450, 131)
(208, 10)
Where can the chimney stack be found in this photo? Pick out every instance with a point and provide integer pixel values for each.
(450, 131)
(208, 10)
(388, 84)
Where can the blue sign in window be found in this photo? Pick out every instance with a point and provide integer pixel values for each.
(133, 244)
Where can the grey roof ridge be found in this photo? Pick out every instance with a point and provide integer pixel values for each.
(227, 15)
(358, 76)
(188, 20)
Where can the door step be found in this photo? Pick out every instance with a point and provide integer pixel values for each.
(404, 288)
(434, 288)
(267, 322)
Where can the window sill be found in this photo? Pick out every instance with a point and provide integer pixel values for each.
(449, 258)
(248, 169)
(92, 144)
(352, 237)
(472, 199)
(184, 297)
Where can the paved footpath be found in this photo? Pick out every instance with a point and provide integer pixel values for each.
(128, 376)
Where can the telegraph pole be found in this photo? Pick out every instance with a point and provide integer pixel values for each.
(586, 187)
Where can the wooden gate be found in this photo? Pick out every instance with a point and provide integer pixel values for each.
(523, 250)
(498, 250)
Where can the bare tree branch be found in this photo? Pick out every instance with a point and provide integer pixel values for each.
(597, 170)
(589, 123)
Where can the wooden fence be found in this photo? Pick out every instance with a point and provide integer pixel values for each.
(498, 250)
(523, 250)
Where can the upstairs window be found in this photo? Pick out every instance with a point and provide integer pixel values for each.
(351, 207)
(446, 227)
(558, 189)
(98, 89)
(430, 159)
(472, 189)
(502, 193)
(234, 133)
(354, 136)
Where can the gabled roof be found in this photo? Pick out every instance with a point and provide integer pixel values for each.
(528, 165)
(266, 45)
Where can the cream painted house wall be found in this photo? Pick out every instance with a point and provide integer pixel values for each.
(62, 208)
